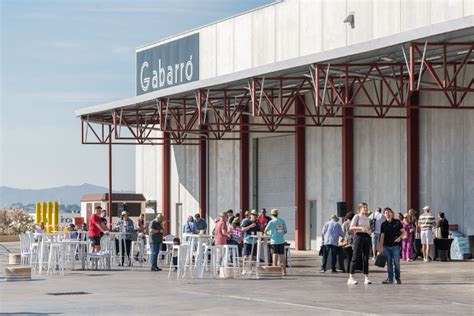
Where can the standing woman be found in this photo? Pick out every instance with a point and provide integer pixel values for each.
(125, 225)
(412, 218)
(407, 243)
(347, 246)
(360, 226)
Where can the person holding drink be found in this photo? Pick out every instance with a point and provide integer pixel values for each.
(250, 227)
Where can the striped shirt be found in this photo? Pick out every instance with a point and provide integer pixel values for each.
(426, 221)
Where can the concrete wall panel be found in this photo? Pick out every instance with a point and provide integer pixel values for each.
(386, 17)
(380, 162)
(447, 155)
(363, 21)
(276, 178)
(184, 181)
(224, 185)
(468, 7)
(287, 30)
(243, 42)
(263, 44)
(334, 30)
(207, 52)
(225, 47)
(311, 26)
(443, 10)
(415, 14)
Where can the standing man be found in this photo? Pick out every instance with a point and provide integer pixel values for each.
(96, 228)
(427, 223)
(376, 220)
(250, 227)
(332, 231)
(200, 223)
(230, 216)
(263, 219)
(277, 229)
(156, 238)
(392, 233)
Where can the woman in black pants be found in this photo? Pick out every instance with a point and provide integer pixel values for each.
(360, 226)
(347, 247)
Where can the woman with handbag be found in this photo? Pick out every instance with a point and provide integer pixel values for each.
(347, 245)
(360, 227)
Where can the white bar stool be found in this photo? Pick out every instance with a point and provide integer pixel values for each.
(57, 257)
(231, 253)
(183, 253)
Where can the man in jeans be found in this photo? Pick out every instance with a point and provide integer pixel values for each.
(332, 230)
(392, 233)
(156, 238)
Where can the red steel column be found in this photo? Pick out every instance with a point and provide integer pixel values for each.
(110, 178)
(244, 164)
(347, 158)
(300, 176)
(166, 182)
(202, 175)
(413, 156)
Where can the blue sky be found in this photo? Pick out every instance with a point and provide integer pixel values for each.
(58, 56)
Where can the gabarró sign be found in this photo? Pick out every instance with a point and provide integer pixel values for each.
(168, 65)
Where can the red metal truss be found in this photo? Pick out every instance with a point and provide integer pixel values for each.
(375, 89)
(445, 77)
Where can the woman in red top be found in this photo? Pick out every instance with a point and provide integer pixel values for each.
(95, 228)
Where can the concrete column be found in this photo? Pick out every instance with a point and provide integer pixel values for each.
(413, 155)
(300, 176)
(203, 175)
(244, 164)
(348, 158)
(166, 183)
(110, 178)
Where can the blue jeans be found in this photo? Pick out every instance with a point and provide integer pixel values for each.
(333, 250)
(393, 260)
(155, 249)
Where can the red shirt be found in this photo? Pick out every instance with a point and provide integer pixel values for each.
(263, 221)
(221, 238)
(94, 231)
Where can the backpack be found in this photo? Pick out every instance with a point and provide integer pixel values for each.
(372, 224)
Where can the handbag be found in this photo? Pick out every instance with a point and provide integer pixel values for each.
(321, 250)
(380, 260)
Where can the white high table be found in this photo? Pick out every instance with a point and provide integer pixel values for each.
(74, 244)
(195, 241)
(120, 236)
(261, 240)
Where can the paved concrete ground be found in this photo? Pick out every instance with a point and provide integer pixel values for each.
(428, 288)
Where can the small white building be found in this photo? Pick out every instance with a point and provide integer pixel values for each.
(133, 203)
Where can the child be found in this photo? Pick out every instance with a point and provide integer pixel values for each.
(141, 238)
(406, 243)
(176, 242)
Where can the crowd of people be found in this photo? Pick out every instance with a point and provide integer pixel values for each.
(229, 229)
(365, 235)
(361, 236)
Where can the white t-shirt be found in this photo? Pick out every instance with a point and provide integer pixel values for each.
(379, 219)
(361, 221)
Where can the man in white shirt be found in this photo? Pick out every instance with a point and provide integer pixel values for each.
(426, 223)
(376, 220)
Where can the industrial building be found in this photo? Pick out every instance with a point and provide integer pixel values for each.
(301, 104)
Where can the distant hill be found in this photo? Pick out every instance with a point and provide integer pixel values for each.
(65, 195)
